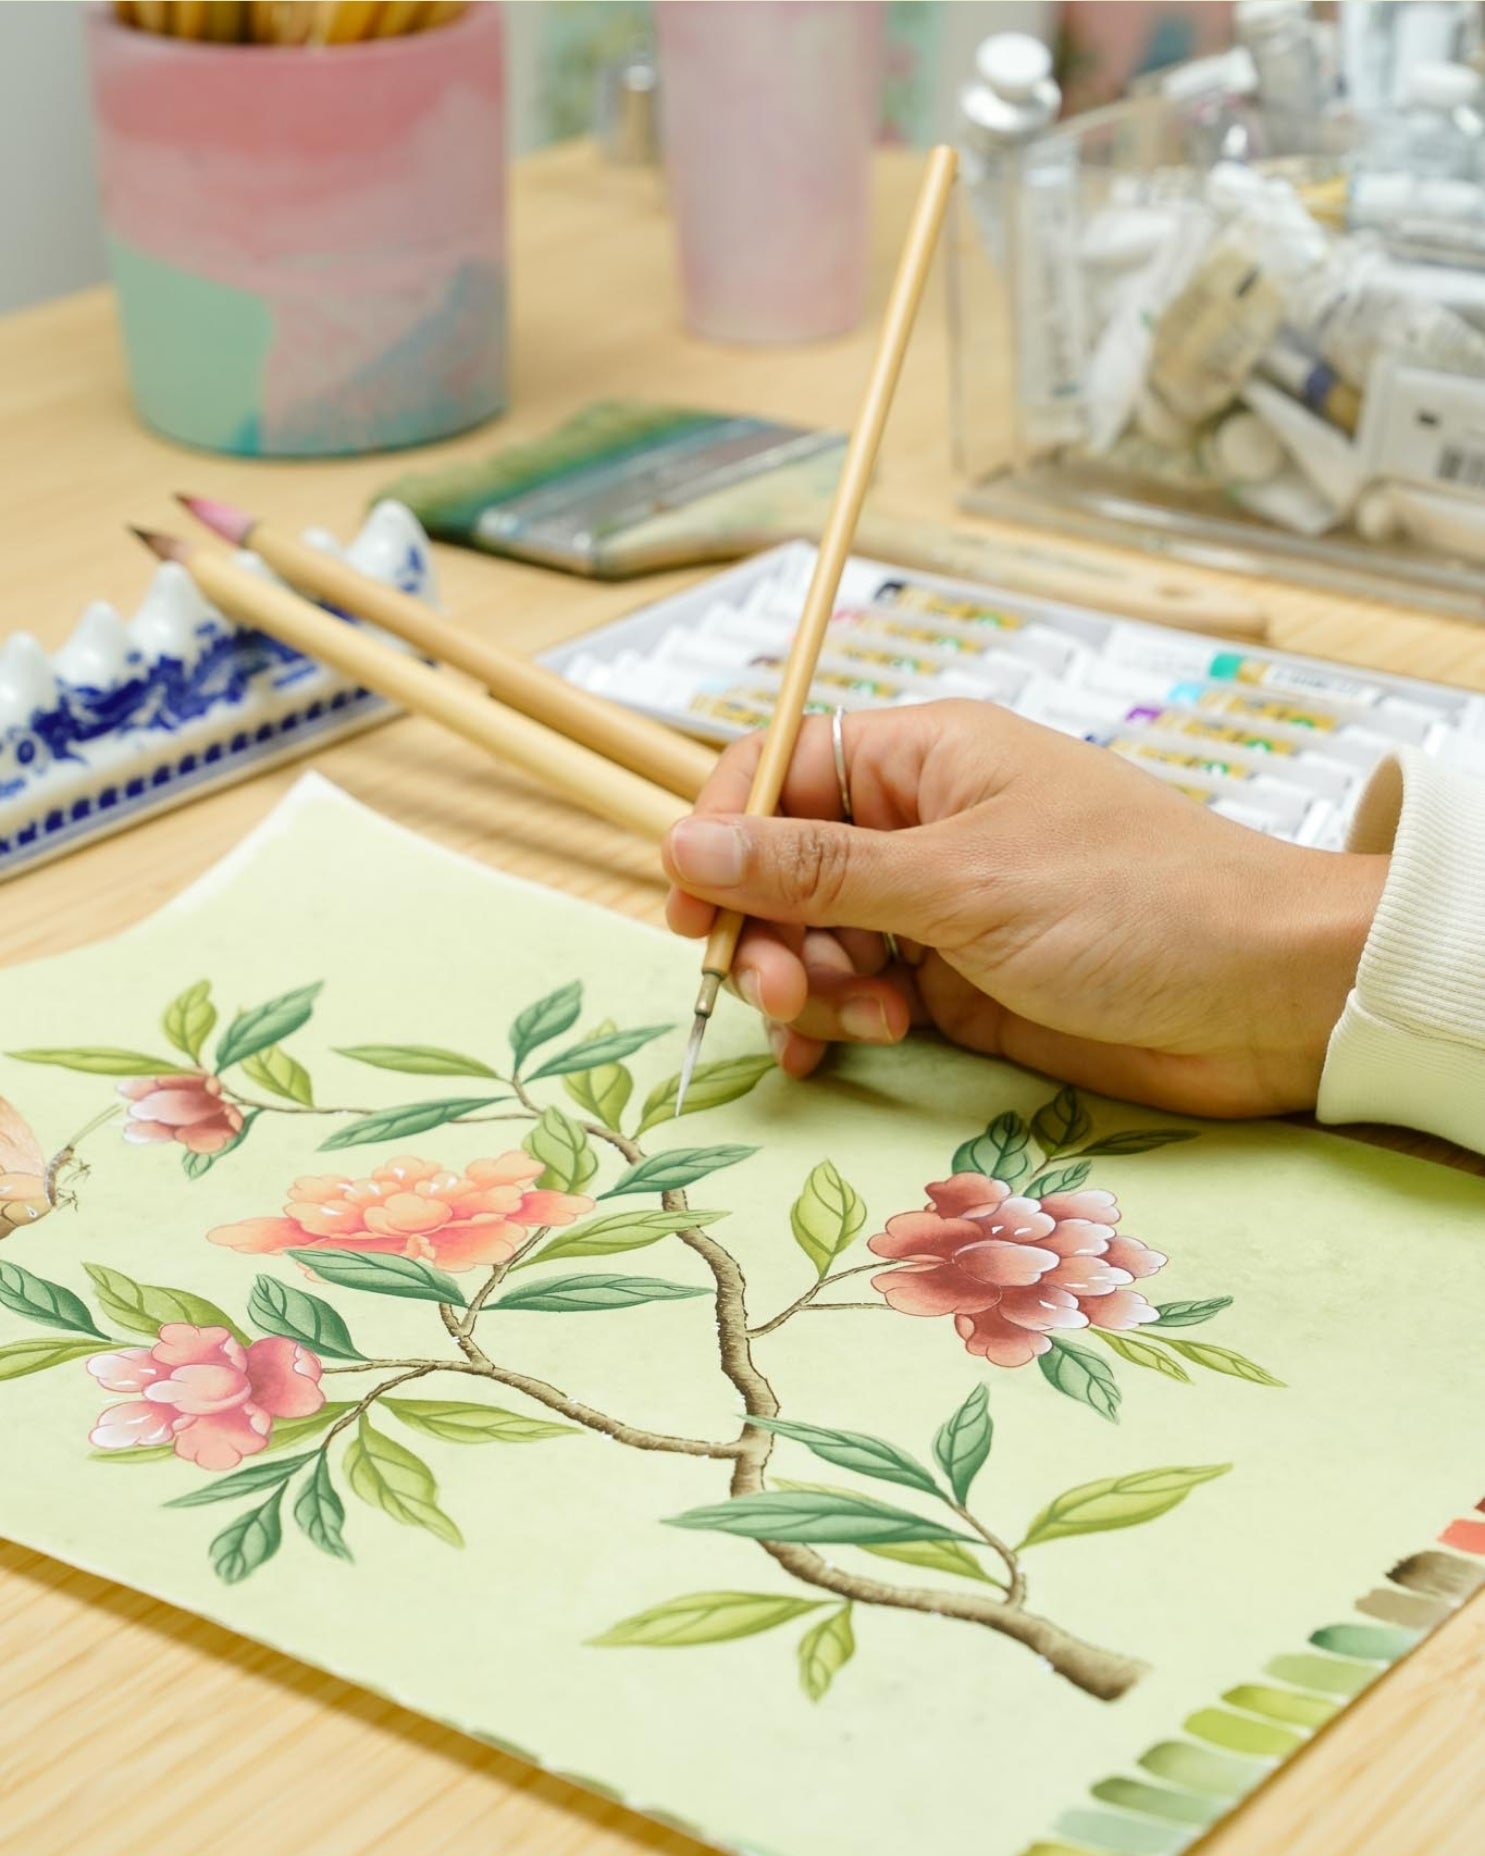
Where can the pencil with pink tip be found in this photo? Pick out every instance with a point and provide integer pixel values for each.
(577, 773)
(644, 747)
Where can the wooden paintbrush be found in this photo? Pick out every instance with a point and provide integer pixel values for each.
(835, 547)
(576, 772)
(645, 747)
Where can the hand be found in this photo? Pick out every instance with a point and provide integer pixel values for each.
(1053, 904)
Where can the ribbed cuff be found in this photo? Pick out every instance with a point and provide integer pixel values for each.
(1410, 1045)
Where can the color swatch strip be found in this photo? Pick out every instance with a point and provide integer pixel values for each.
(1187, 1785)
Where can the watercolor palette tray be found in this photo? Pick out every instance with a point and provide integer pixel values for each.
(1279, 742)
(133, 717)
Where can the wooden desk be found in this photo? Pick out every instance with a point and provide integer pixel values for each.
(131, 1729)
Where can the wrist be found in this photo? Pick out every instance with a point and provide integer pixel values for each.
(1333, 909)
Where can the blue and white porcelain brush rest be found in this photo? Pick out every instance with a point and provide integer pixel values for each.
(132, 717)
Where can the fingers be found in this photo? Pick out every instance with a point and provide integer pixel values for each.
(819, 874)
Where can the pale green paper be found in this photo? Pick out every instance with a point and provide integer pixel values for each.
(1357, 1278)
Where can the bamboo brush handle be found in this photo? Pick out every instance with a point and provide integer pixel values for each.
(645, 747)
(577, 773)
(840, 526)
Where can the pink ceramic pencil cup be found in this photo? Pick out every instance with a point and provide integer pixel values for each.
(308, 243)
(770, 112)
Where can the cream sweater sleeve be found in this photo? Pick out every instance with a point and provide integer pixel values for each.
(1410, 1045)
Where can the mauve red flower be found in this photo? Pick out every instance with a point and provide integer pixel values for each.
(187, 1108)
(1010, 1270)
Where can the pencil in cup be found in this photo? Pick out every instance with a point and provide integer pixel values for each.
(648, 748)
(577, 773)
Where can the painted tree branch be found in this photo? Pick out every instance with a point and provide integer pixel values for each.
(807, 1300)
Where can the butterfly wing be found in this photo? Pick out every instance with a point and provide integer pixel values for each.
(23, 1192)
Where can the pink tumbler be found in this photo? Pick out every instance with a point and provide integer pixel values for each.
(770, 112)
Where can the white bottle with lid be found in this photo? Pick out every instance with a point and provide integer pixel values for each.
(1023, 189)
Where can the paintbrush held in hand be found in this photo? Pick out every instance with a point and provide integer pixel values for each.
(286, 22)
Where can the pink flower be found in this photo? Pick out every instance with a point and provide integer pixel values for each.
(1010, 1270)
(413, 1208)
(187, 1108)
(199, 1390)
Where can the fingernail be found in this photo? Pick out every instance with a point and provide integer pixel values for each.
(707, 852)
(863, 1018)
(778, 1041)
(749, 990)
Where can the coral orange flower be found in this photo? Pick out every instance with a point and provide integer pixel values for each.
(415, 1208)
(1011, 1269)
(205, 1394)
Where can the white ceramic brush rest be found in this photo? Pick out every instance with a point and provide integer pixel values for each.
(132, 717)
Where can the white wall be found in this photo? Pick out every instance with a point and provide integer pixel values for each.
(50, 240)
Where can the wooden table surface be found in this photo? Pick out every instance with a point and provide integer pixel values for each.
(130, 1727)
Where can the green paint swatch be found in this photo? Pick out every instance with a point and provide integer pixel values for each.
(1376, 1643)
(1326, 1673)
(1122, 1836)
(1281, 1704)
(1201, 1771)
(1158, 1801)
(1242, 1736)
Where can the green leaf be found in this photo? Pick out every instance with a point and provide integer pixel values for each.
(189, 1019)
(963, 1443)
(1221, 1360)
(816, 1516)
(101, 1061)
(275, 1070)
(290, 1431)
(1138, 1141)
(824, 1650)
(380, 1274)
(1140, 1353)
(454, 1422)
(135, 1453)
(827, 1217)
(678, 1167)
(547, 1019)
(388, 1477)
(712, 1085)
(935, 1556)
(194, 1165)
(607, 1048)
(395, 1124)
(1081, 1375)
(998, 1153)
(868, 1456)
(144, 1308)
(618, 1231)
(1118, 1501)
(1061, 1123)
(1059, 1179)
(563, 1149)
(418, 1060)
(604, 1091)
(591, 1294)
(321, 1513)
(705, 1617)
(34, 1356)
(253, 1538)
(1189, 1314)
(266, 1024)
(295, 1314)
(50, 1303)
(242, 1482)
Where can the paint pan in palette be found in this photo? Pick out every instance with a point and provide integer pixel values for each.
(1278, 742)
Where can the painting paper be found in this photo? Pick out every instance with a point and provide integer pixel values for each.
(921, 1456)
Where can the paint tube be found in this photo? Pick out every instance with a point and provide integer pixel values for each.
(1210, 336)
(1326, 457)
(1350, 308)
(1425, 427)
(1311, 381)
(1445, 524)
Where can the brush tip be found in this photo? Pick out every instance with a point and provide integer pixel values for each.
(224, 519)
(167, 547)
(688, 1062)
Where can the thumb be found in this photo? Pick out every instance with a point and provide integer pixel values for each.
(814, 872)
